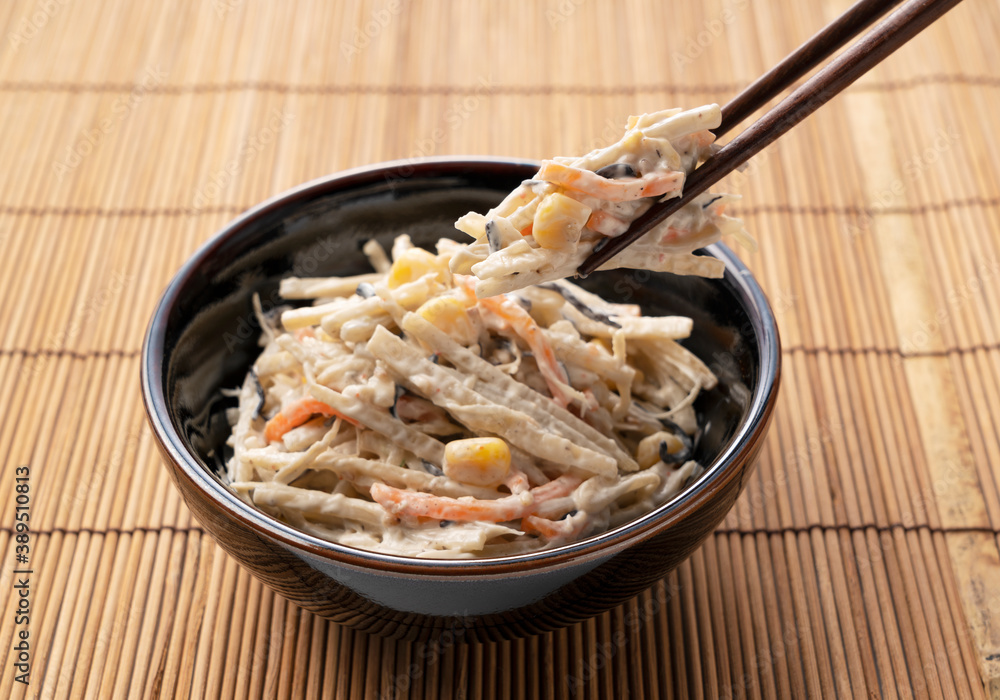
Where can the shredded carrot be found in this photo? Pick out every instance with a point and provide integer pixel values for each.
(672, 235)
(521, 322)
(606, 224)
(651, 184)
(298, 413)
(401, 502)
(516, 481)
(551, 529)
(703, 138)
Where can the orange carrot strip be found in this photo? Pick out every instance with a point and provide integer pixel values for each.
(649, 185)
(551, 529)
(557, 488)
(606, 224)
(425, 505)
(298, 413)
(516, 481)
(521, 322)
(702, 138)
(401, 502)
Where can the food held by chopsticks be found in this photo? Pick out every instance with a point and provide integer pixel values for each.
(547, 226)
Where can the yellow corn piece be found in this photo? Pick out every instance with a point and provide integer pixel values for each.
(477, 461)
(648, 453)
(559, 220)
(631, 141)
(414, 264)
(449, 315)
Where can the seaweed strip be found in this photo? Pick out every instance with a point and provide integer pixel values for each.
(261, 398)
(399, 392)
(712, 201)
(616, 171)
(582, 307)
(685, 454)
(431, 468)
(493, 237)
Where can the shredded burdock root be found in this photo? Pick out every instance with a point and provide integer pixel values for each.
(473, 402)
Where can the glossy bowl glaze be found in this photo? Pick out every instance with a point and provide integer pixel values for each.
(203, 338)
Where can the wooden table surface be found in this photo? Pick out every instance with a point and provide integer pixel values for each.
(862, 559)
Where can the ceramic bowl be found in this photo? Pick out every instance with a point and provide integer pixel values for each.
(203, 335)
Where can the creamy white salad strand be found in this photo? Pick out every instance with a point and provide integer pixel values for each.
(550, 224)
(401, 413)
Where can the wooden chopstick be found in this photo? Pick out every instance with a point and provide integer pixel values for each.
(817, 48)
(901, 26)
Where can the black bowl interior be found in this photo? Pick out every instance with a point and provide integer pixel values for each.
(211, 334)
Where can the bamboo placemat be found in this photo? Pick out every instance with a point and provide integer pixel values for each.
(862, 559)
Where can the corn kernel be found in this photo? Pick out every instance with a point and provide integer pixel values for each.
(450, 316)
(631, 141)
(648, 452)
(559, 220)
(477, 461)
(412, 265)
